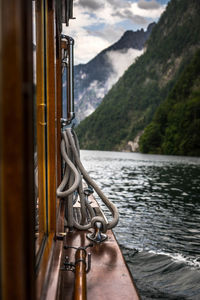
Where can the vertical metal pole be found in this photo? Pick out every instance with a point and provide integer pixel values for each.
(70, 79)
(69, 48)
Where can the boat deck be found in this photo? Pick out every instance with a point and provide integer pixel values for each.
(109, 277)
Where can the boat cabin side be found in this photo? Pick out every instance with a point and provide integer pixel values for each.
(35, 239)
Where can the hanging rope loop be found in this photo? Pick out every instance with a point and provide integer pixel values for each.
(72, 183)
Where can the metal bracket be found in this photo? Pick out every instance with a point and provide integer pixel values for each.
(67, 123)
(70, 266)
(97, 236)
(60, 236)
(87, 192)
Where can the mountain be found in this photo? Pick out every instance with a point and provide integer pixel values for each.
(175, 127)
(93, 80)
(132, 102)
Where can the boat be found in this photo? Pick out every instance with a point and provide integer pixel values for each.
(55, 242)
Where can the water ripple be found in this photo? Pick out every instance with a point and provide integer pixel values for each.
(159, 205)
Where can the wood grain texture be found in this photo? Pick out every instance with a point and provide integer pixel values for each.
(16, 154)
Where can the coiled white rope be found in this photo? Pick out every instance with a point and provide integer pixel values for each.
(72, 182)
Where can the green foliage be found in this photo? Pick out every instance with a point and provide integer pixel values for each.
(176, 123)
(150, 141)
(133, 101)
(177, 30)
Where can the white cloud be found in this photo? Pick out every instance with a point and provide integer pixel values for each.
(86, 45)
(128, 14)
(118, 3)
(151, 12)
(89, 110)
(120, 61)
(110, 33)
(99, 24)
(90, 4)
(153, 4)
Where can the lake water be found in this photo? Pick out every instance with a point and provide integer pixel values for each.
(158, 198)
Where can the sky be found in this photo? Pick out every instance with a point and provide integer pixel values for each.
(100, 23)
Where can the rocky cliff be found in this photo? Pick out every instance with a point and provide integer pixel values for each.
(94, 79)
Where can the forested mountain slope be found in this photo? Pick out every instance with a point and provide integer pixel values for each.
(130, 105)
(175, 128)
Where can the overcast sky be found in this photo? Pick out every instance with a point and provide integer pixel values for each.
(100, 23)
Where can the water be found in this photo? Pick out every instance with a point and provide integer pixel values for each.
(158, 198)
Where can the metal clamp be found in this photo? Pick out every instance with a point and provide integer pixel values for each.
(64, 122)
(87, 192)
(71, 266)
(68, 266)
(97, 236)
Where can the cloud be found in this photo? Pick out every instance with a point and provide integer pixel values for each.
(118, 3)
(120, 61)
(148, 9)
(99, 24)
(110, 33)
(128, 14)
(91, 4)
(153, 4)
(88, 46)
(89, 110)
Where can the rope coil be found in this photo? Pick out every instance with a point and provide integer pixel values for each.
(72, 181)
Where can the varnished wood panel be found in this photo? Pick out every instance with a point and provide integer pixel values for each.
(48, 277)
(52, 289)
(41, 120)
(45, 265)
(16, 154)
(58, 106)
(46, 134)
(51, 112)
